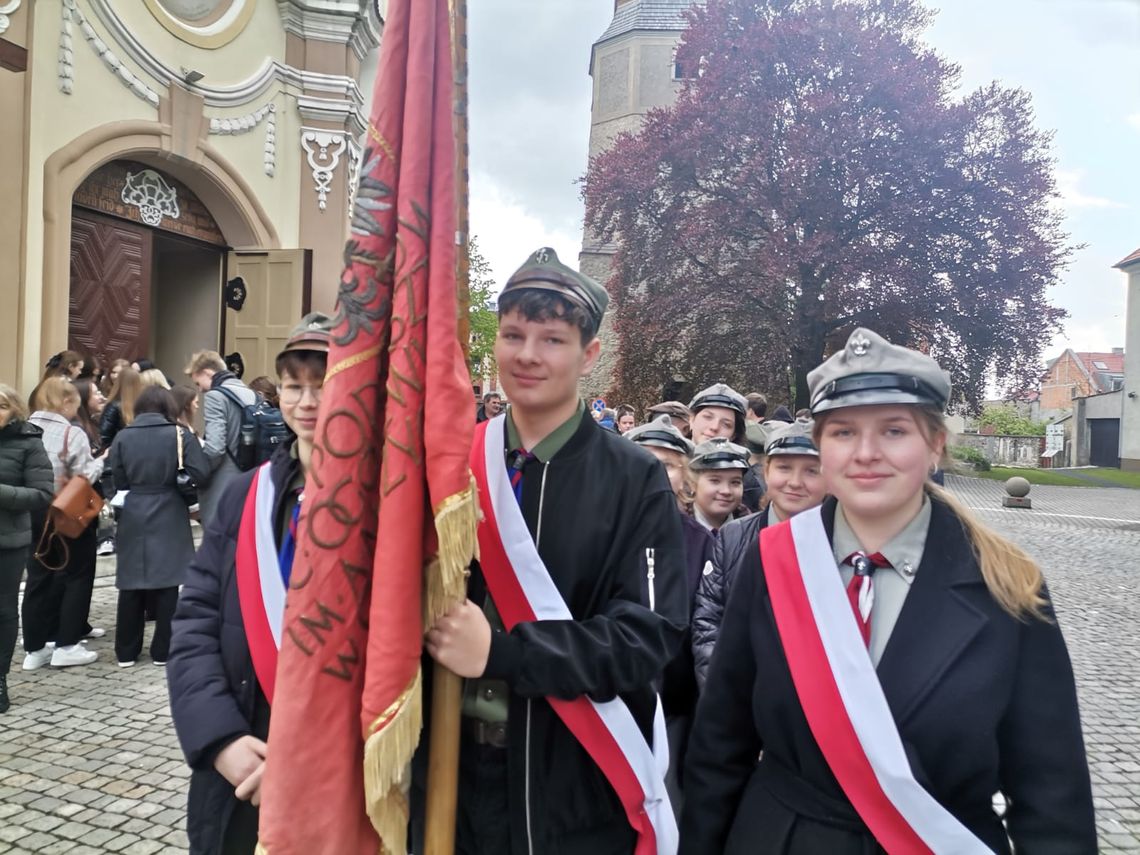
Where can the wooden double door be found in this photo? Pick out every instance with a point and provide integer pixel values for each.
(116, 305)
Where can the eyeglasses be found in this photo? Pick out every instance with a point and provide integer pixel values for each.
(293, 393)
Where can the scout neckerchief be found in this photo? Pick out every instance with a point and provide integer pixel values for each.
(523, 591)
(841, 697)
(261, 578)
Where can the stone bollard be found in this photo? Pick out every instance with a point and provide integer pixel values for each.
(1017, 489)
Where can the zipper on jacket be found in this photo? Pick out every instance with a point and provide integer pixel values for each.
(650, 556)
(526, 765)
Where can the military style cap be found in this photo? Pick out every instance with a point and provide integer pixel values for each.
(543, 271)
(661, 433)
(871, 370)
(312, 333)
(719, 453)
(756, 437)
(794, 438)
(672, 408)
(719, 395)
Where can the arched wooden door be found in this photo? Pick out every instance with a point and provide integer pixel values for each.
(109, 305)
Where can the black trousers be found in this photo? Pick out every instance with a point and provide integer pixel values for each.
(12, 563)
(56, 602)
(130, 619)
(482, 822)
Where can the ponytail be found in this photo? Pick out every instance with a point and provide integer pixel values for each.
(1013, 578)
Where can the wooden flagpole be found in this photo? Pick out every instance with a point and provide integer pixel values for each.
(447, 687)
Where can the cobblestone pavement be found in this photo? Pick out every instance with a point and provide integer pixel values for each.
(89, 763)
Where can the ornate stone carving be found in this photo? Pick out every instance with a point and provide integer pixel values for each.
(149, 192)
(7, 9)
(355, 154)
(72, 13)
(237, 125)
(323, 149)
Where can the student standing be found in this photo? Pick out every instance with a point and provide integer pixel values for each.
(573, 508)
(154, 540)
(717, 479)
(218, 695)
(795, 484)
(886, 662)
(26, 485)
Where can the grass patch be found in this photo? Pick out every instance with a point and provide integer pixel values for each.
(1124, 479)
(1036, 476)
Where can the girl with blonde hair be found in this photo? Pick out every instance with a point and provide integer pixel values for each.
(25, 486)
(58, 599)
(120, 409)
(886, 663)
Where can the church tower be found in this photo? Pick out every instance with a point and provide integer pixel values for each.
(634, 70)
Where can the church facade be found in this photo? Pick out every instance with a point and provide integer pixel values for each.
(177, 173)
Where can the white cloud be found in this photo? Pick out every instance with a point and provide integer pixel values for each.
(507, 231)
(1068, 185)
(1093, 335)
(1134, 120)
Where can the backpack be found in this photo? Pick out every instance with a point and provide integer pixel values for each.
(263, 431)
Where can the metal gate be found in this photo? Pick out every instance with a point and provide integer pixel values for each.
(1104, 437)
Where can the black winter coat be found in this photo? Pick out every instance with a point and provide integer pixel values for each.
(604, 502)
(154, 541)
(110, 423)
(26, 482)
(983, 702)
(729, 547)
(214, 694)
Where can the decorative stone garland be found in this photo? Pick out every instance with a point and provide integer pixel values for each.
(6, 10)
(72, 13)
(244, 124)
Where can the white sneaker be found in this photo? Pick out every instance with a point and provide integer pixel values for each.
(96, 632)
(160, 663)
(127, 664)
(77, 654)
(37, 658)
(107, 547)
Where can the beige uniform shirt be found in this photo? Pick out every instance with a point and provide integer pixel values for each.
(892, 584)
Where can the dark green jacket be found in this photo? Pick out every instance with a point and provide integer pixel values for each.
(26, 482)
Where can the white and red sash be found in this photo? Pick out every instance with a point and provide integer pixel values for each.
(842, 698)
(261, 590)
(523, 591)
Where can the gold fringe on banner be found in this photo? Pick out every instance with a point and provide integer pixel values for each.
(445, 583)
(392, 740)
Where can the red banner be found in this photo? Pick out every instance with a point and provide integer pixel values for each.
(390, 459)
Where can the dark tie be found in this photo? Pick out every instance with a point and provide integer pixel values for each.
(516, 459)
(860, 591)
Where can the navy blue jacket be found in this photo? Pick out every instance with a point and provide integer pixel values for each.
(214, 694)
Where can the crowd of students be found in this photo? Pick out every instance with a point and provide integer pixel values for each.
(715, 632)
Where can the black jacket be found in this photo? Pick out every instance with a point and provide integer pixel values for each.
(729, 546)
(983, 702)
(604, 503)
(154, 541)
(26, 482)
(214, 694)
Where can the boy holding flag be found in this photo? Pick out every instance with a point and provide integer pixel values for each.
(563, 743)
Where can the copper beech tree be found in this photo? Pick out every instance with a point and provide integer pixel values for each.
(821, 171)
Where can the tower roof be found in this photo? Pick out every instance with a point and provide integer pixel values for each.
(664, 15)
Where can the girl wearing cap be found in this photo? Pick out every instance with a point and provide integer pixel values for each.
(791, 469)
(222, 654)
(717, 481)
(886, 662)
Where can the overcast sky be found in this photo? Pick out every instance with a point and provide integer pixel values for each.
(1080, 59)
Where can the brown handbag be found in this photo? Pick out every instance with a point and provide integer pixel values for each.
(74, 507)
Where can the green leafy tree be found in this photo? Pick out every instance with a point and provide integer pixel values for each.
(482, 316)
(1006, 420)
